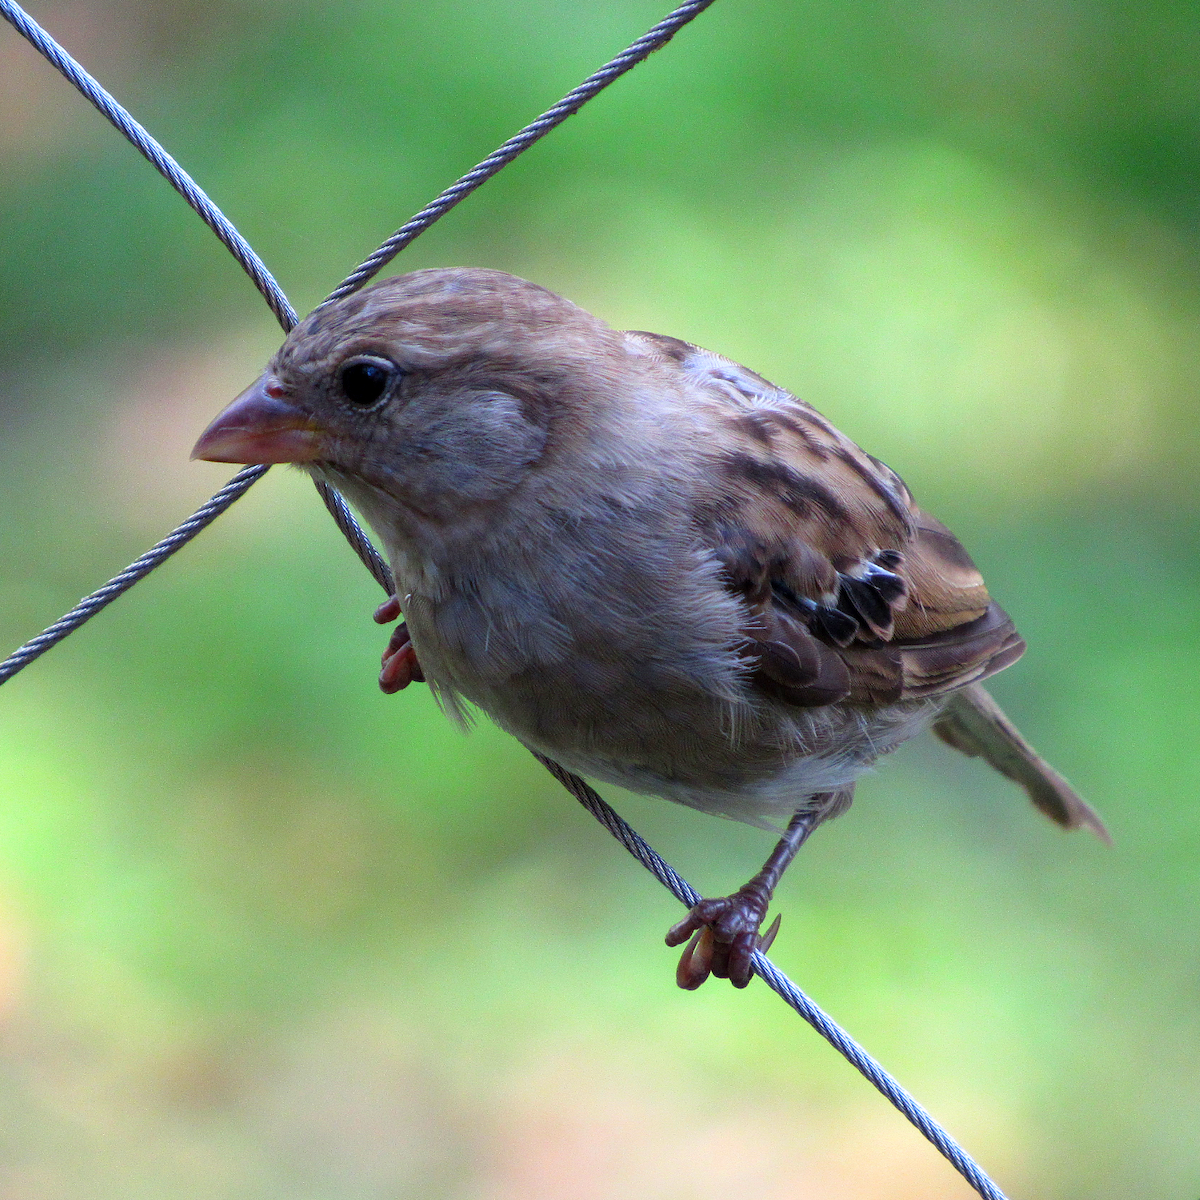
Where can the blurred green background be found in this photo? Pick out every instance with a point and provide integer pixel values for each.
(266, 933)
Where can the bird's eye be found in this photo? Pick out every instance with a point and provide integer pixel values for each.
(365, 380)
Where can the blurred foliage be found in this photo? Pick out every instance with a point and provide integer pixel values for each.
(267, 933)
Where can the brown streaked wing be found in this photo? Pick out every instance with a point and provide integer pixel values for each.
(792, 474)
(798, 507)
(909, 670)
(945, 587)
(784, 658)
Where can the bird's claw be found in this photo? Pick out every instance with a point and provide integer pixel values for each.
(723, 937)
(399, 664)
(388, 611)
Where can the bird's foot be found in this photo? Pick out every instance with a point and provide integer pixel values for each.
(723, 938)
(399, 664)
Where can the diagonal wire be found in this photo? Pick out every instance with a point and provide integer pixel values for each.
(265, 282)
(256, 269)
(90, 605)
(200, 203)
(653, 39)
(156, 155)
(779, 983)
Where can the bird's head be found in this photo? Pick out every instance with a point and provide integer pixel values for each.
(429, 394)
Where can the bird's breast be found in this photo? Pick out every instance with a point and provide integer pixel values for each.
(618, 650)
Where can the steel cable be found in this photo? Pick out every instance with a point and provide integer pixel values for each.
(779, 983)
(200, 203)
(653, 39)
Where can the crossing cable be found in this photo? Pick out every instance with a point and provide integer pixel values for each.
(246, 478)
(195, 196)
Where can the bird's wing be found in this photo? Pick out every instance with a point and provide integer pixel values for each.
(851, 591)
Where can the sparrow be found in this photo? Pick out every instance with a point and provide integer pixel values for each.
(642, 560)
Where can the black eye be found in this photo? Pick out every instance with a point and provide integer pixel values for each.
(365, 380)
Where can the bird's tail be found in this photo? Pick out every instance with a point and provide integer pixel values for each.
(975, 724)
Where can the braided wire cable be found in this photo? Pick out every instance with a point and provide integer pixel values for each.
(653, 39)
(356, 536)
(200, 203)
(854, 1053)
(150, 149)
(212, 216)
(137, 570)
(241, 250)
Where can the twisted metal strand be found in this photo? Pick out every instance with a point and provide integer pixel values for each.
(653, 39)
(200, 203)
(356, 536)
(778, 982)
(137, 570)
(154, 153)
(256, 269)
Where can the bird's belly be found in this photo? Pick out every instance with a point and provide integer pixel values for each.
(662, 697)
(685, 724)
(765, 782)
(751, 758)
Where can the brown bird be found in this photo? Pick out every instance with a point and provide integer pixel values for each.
(641, 559)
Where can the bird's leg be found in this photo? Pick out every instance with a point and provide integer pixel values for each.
(400, 666)
(724, 932)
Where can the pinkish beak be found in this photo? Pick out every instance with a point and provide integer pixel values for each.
(261, 426)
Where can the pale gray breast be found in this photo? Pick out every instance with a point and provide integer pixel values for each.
(591, 645)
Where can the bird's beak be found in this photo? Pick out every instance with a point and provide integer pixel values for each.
(263, 425)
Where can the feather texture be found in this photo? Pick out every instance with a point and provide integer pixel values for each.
(852, 592)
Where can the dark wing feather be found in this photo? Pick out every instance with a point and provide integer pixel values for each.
(905, 669)
(851, 592)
